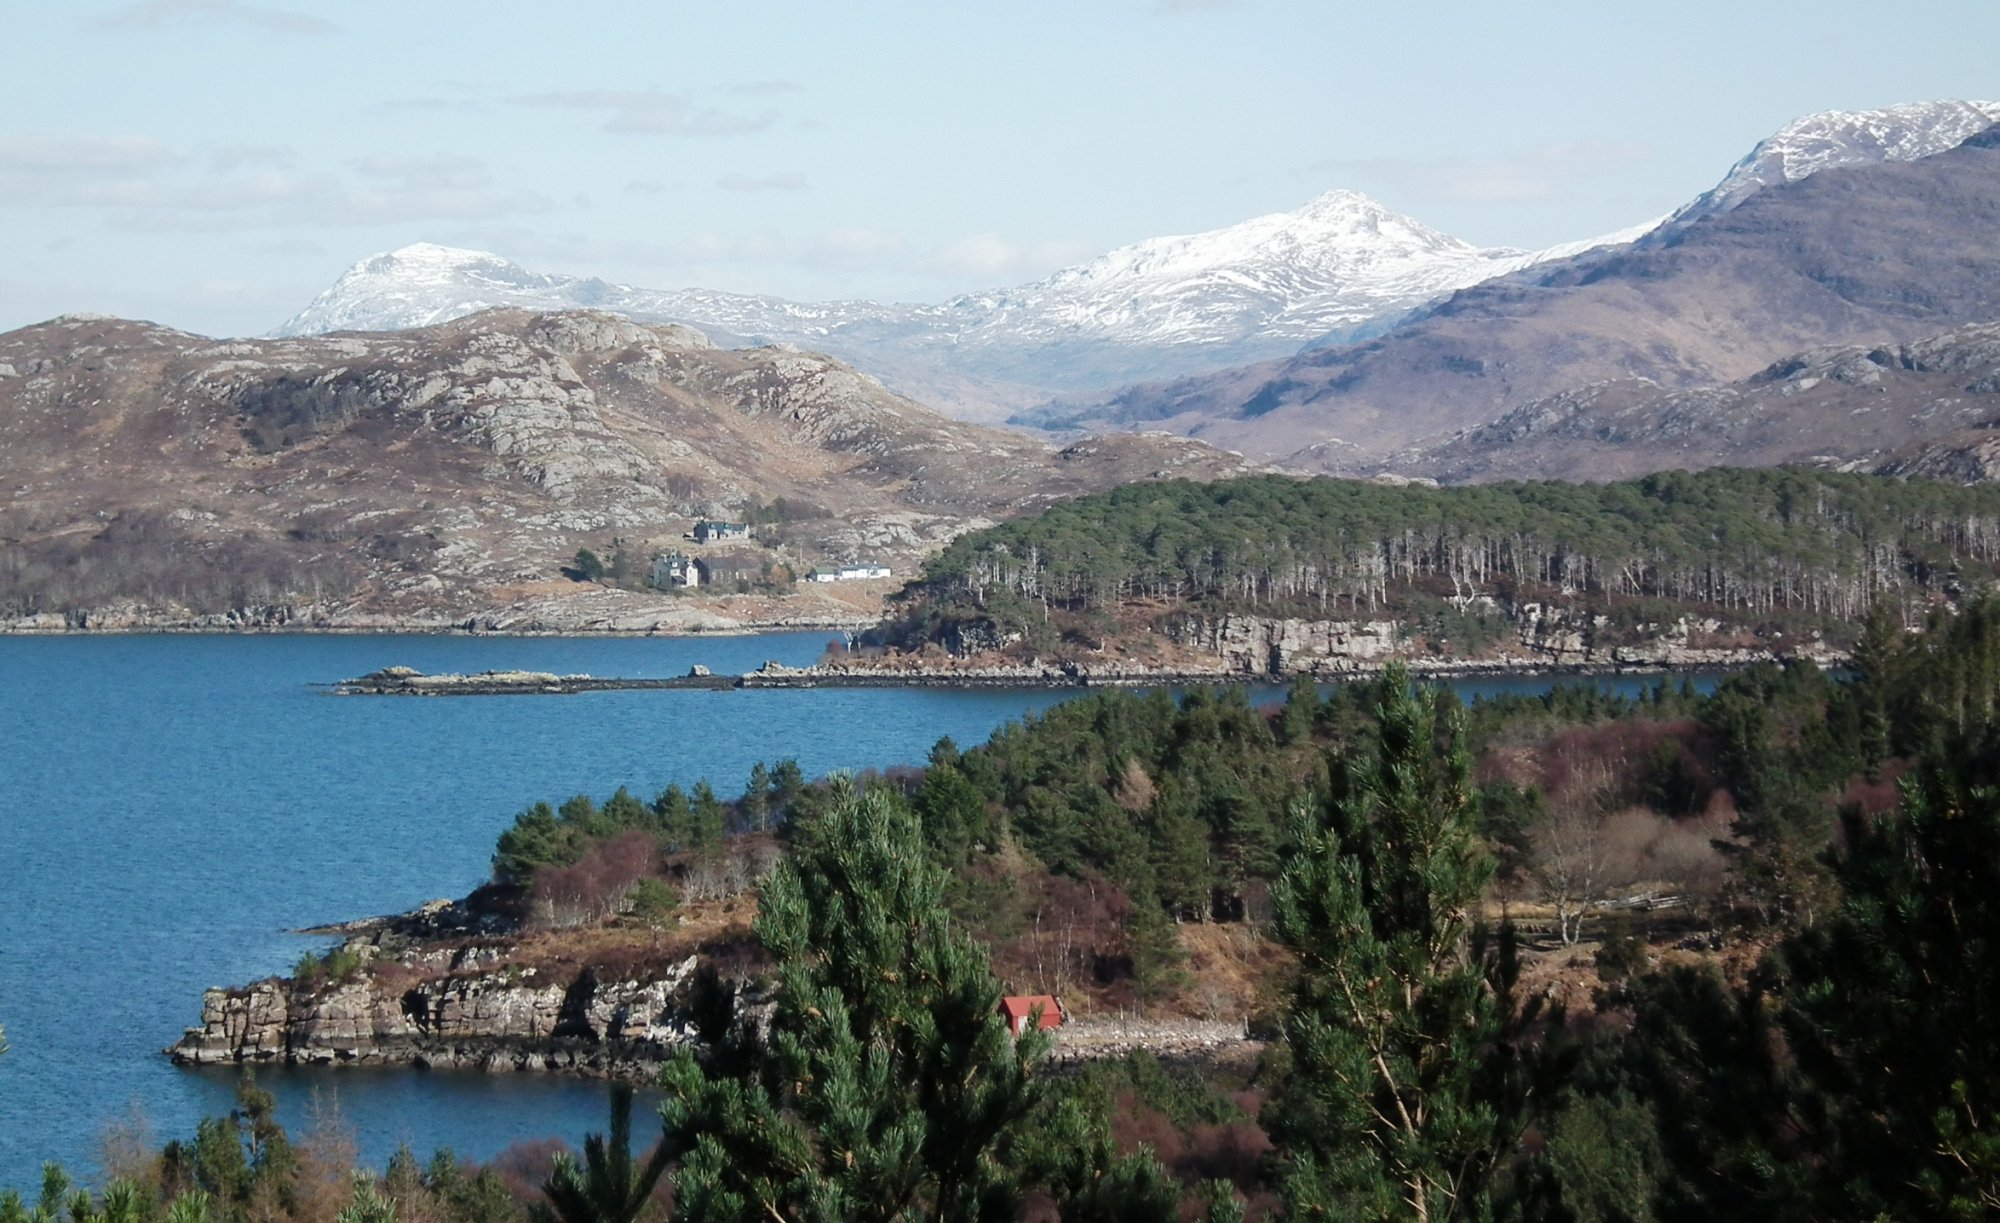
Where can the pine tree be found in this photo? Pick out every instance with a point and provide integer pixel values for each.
(1403, 1099)
(887, 1086)
(607, 1187)
(1892, 1003)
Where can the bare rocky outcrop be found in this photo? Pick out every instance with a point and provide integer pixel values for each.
(449, 475)
(1540, 636)
(507, 1018)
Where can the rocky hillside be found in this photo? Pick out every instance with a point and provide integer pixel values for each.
(1856, 254)
(450, 473)
(1895, 407)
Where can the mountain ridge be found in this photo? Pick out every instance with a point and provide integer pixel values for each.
(1860, 253)
(1265, 285)
(453, 471)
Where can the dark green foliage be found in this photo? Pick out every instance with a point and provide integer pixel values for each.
(234, 1159)
(588, 566)
(334, 965)
(1893, 1003)
(286, 410)
(607, 1187)
(1730, 1122)
(1180, 1094)
(1817, 546)
(888, 1086)
(1404, 1097)
(653, 901)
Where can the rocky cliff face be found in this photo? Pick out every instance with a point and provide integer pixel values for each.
(1538, 636)
(468, 1018)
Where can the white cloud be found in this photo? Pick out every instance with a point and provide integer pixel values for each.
(154, 14)
(143, 185)
(632, 112)
(84, 155)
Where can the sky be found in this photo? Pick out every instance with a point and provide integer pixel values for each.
(213, 164)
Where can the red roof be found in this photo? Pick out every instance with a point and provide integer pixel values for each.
(1017, 1008)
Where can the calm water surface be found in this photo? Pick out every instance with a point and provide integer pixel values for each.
(171, 806)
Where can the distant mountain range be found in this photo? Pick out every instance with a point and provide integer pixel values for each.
(1343, 337)
(1864, 252)
(1343, 268)
(1336, 267)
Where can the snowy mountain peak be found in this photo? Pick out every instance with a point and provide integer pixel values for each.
(419, 257)
(1833, 138)
(1259, 288)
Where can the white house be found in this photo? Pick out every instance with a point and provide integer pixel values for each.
(849, 573)
(673, 569)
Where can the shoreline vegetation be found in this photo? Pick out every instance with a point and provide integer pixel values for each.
(1684, 934)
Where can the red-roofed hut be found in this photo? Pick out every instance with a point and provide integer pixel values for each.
(1019, 1007)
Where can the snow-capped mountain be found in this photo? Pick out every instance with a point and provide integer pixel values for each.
(1341, 267)
(1256, 289)
(1844, 138)
(1340, 261)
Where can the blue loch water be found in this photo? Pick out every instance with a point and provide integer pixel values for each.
(170, 806)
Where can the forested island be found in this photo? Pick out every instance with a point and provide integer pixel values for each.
(1284, 575)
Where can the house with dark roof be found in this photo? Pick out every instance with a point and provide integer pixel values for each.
(672, 569)
(711, 532)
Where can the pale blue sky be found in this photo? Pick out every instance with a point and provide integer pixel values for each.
(212, 164)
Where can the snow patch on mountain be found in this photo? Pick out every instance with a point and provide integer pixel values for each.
(1834, 138)
(1259, 288)
(1331, 271)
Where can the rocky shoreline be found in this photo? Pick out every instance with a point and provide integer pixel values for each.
(973, 674)
(442, 988)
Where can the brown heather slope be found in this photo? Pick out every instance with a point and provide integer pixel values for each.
(449, 473)
(1857, 255)
(1897, 408)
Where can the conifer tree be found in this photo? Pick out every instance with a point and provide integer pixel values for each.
(607, 1187)
(1403, 1099)
(887, 1086)
(1893, 1002)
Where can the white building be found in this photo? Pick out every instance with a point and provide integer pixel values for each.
(849, 573)
(673, 569)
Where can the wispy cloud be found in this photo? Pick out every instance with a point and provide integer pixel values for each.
(633, 112)
(155, 14)
(763, 182)
(143, 185)
(1526, 176)
(52, 158)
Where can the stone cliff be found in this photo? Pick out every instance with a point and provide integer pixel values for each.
(1531, 636)
(492, 1019)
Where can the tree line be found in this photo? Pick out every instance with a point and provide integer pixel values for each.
(1747, 542)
